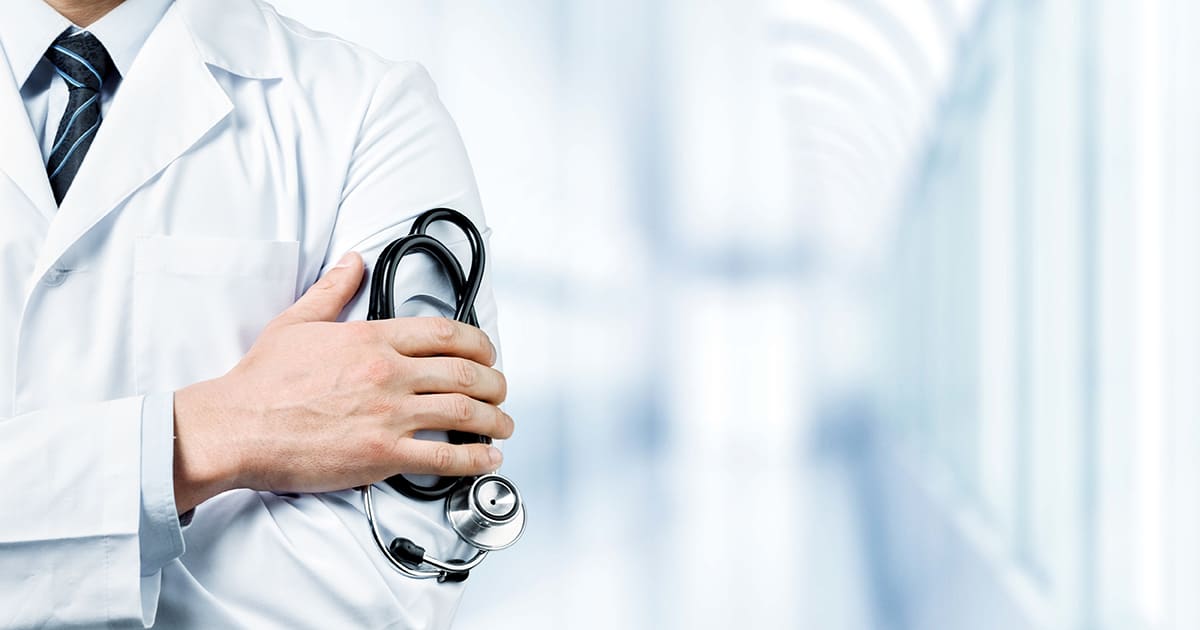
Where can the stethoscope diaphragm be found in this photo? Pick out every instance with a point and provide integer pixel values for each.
(488, 514)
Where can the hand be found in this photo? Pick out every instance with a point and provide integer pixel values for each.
(317, 405)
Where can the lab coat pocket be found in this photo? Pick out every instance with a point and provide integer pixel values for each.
(199, 304)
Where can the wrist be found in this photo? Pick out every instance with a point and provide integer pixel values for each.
(206, 464)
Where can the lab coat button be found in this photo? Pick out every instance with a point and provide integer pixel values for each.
(54, 277)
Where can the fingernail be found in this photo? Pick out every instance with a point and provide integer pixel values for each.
(344, 261)
(495, 455)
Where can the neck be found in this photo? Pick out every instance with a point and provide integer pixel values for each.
(83, 12)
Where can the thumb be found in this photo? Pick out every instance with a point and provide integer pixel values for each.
(324, 301)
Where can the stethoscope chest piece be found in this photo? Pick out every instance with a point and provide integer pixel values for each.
(488, 513)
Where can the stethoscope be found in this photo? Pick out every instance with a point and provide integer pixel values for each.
(485, 511)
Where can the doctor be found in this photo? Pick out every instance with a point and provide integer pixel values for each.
(188, 191)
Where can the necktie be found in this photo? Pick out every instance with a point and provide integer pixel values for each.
(82, 62)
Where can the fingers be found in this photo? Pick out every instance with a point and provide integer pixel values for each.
(324, 301)
(448, 375)
(425, 457)
(438, 336)
(457, 412)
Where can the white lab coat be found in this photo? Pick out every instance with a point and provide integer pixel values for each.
(242, 155)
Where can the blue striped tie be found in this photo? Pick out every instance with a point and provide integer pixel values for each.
(82, 62)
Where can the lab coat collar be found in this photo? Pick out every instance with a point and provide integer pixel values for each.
(232, 35)
(26, 28)
(20, 155)
(167, 103)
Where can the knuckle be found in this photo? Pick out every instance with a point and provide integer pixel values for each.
(460, 409)
(378, 447)
(379, 371)
(442, 332)
(381, 407)
(443, 457)
(479, 459)
(464, 373)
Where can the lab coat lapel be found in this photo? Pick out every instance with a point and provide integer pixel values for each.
(169, 101)
(20, 155)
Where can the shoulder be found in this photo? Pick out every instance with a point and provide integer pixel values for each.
(395, 102)
(317, 59)
(251, 39)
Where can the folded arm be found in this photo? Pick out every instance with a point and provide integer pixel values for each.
(342, 403)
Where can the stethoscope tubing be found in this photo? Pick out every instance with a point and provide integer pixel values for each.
(465, 287)
(443, 568)
(382, 306)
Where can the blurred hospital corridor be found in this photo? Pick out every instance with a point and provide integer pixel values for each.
(834, 314)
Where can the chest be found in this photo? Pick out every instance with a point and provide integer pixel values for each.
(170, 286)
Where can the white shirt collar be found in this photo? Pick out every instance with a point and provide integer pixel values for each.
(28, 27)
(125, 29)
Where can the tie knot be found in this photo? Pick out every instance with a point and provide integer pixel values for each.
(81, 60)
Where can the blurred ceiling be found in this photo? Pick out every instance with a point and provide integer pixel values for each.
(860, 80)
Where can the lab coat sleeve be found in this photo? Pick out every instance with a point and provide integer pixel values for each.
(410, 158)
(72, 515)
(160, 535)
